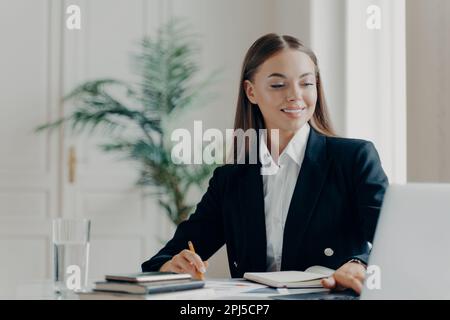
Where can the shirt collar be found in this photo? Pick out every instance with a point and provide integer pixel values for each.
(295, 148)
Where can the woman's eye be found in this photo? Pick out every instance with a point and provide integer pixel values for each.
(308, 84)
(277, 85)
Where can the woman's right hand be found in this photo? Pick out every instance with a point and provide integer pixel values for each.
(186, 262)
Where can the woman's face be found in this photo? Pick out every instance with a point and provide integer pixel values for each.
(284, 88)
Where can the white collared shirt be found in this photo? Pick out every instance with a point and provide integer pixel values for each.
(278, 190)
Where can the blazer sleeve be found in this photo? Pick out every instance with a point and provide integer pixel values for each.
(204, 228)
(370, 183)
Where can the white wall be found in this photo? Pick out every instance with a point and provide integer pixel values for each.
(428, 43)
(364, 74)
(328, 40)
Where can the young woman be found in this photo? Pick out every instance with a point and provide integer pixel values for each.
(319, 208)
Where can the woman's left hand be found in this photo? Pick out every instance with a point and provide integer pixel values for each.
(350, 275)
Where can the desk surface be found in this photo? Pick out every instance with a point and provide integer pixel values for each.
(225, 289)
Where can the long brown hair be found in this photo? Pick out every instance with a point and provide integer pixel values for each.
(250, 117)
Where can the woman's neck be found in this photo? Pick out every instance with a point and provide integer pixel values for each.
(278, 144)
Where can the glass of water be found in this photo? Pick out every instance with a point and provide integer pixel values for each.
(70, 255)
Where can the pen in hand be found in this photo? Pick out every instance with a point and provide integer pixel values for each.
(191, 248)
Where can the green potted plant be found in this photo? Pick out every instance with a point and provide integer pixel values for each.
(136, 122)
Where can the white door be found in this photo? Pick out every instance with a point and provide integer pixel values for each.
(125, 224)
(29, 55)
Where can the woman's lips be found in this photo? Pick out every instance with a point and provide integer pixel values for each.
(294, 110)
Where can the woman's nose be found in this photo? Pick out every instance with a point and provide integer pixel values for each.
(295, 94)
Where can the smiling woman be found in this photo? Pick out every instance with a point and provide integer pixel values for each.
(319, 208)
(281, 89)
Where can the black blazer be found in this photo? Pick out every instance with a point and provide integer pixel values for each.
(335, 204)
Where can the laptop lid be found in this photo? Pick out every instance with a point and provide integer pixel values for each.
(411, 248)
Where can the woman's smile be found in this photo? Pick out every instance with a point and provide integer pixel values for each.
(294, 112)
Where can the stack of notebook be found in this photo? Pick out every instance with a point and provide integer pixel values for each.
(147, 286)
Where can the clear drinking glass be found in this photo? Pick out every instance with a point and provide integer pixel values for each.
(70, 254)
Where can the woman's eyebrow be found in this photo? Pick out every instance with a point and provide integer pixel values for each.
(280, 75)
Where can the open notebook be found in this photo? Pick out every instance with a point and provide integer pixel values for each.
(291, 279)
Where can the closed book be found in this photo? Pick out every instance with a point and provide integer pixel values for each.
(149, 287)
(147, 276)
(310, 278)
(194, 294)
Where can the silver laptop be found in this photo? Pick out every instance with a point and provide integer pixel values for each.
(411, 249)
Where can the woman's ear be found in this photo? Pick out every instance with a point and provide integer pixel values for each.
(250, 91)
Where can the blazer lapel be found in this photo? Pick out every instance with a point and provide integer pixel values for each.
(306, 193)
(251, 199)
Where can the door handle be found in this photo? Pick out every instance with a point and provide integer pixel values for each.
(72, 164)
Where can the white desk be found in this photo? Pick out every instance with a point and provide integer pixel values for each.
(225, 289)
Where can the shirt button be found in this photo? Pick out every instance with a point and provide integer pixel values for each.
(328, 252)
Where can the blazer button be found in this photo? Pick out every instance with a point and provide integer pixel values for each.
(235, 264)
(328, 252)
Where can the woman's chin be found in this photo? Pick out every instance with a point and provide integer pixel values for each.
(294, 126)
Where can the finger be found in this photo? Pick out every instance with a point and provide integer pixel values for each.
(195, 260)
(357, 270)
(198, 276)
(329, 283)
(189, 267)
(349, 281)
(185, 265)
(176, 268)
(361, 276)
(172, 266)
